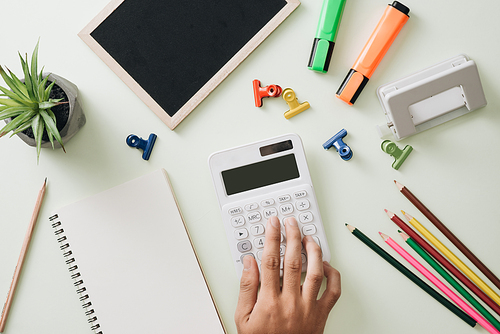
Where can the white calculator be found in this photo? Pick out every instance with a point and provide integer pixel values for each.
(256, 181)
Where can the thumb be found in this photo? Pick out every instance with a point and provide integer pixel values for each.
(249, 285)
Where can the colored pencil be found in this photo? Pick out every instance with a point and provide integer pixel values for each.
(440, 285)
(429, 215)
(492, 320)
(445, 263)
(453, 258)
(410, 275)
(22, 256)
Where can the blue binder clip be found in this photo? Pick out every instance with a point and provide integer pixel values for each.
(145, 145)
(336, 141)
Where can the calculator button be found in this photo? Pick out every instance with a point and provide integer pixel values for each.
(235, 211)
(304, 258)
(284, 198)
(270, 212)
(244, 246)
(251, 206)
(257, 229)
(259, 242)
(237, 221)
(282, 238)
(242, 256)
(259, 255)
(302, 204)
(242, 233)
(306, 217)
(309, 229)
(300, 194)
(254, 217)
(286, 209)
(267, 202)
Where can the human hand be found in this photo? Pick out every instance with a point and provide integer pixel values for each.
(290, 308)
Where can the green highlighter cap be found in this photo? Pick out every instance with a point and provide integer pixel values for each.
(328, 26)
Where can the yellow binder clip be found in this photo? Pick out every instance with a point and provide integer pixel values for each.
(294, 105)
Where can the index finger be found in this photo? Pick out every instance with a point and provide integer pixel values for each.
(271, 261)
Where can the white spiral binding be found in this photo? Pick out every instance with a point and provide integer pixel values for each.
(81, 290)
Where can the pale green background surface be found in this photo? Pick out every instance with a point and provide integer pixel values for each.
(453, 168)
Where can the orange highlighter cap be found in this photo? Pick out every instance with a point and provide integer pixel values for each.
(389, 26)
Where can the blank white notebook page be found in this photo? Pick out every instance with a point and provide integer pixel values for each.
(137, 262)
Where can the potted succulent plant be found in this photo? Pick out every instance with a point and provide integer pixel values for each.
(42, 109)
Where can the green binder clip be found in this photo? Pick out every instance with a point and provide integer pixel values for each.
(400, 155)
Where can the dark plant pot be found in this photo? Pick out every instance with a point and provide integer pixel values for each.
(69, 120)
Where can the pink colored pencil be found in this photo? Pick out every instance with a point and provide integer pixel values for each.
(447, 291)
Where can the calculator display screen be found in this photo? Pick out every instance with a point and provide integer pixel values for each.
(260, 174)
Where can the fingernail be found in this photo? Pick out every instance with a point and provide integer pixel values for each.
(246, 263)
(291, 221)
(275, 221)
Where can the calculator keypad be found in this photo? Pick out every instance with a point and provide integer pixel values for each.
(249, 221)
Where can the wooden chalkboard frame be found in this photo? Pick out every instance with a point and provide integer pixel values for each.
(193, 102)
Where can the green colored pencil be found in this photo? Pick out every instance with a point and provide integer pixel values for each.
(450, 280)
(409, 274)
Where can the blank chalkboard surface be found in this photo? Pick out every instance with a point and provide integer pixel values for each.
(173, 53)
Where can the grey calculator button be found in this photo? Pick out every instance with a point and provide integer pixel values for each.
(235, 211)
(284, 198)
(302, 204)
(244, 246)
(306, 217)
(300, 194)
(242, 256)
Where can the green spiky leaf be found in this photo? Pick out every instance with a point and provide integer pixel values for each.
(34, 63)
(21, 128)
(16, 122)
(12, 112)
(51, 127)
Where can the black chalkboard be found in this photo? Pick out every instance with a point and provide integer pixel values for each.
(173, 53)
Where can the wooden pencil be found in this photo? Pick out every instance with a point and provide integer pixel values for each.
(492, 320)
(434, 220)
(453, 258)
(442, 260)
(410, 275)
(22, 256)
(440, 285)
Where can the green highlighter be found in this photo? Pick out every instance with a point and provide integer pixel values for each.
(328, 26)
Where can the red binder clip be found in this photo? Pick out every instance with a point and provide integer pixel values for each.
(260, 92)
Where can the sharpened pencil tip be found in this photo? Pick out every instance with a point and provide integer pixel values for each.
(404, 235)
(350, 228)
(399, 185)
(389, 213)
(407, 215)
(384, 236)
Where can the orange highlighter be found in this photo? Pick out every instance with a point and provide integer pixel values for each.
(394, 18)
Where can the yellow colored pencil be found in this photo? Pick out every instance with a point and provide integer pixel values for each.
(453, 258)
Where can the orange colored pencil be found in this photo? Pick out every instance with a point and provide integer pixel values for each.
(22, 256)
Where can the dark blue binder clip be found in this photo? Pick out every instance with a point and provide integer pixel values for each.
(336, 141)
(145, 145)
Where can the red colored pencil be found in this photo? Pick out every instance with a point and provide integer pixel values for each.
(427, 213)
(444, 262)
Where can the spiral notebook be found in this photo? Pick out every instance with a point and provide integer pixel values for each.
(132, 262)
